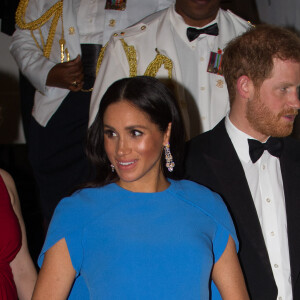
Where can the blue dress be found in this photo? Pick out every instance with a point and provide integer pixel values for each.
(126, 245)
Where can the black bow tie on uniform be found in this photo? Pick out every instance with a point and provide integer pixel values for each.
(256, 148)
(192, 33)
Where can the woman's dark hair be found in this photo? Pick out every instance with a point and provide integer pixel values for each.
(150, 96)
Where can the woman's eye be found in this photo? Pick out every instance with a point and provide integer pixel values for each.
(136, 133)
(110, 133)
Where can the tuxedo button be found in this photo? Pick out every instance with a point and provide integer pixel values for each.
(272, 233)
(201, 58)
(276, 266)
(263, 167)
(268, 200)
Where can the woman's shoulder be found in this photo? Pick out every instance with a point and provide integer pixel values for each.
(10, 185)
(201, 197)
(190, 188)
(84, 204)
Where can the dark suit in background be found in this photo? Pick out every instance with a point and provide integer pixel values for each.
(212, 161)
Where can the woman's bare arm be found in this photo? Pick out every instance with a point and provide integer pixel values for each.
(56, 275)
(22, 266)
(228, 276)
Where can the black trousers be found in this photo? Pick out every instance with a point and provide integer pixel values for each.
(56, 152)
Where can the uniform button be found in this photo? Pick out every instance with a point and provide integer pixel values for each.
(143, 27)
(115, 34)
(201, 58)
(276, 266)
(112, 23)
(202, 88)
(71, 30)
(268, 200)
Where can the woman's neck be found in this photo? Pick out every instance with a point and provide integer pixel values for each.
(144, 185)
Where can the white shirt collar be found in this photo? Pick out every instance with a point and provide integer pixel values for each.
(239, 140)
(181, 27)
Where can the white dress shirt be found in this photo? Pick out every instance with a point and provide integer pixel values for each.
(265, 182)
(194, 56)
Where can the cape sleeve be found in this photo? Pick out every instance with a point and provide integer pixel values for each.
(225, 228)
(67, 223)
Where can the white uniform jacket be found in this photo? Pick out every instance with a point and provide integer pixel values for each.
(152, 35)
(35, 66)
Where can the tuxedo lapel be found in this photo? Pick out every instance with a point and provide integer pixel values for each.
(290, 169)
(225, 164)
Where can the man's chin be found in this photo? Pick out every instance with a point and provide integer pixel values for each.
(283, 131)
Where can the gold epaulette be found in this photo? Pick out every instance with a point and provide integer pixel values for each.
(55, 11)
(130, 52)
(100, 58)
(131, 57)
(156, 64)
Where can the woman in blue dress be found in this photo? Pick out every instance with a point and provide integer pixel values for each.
(136, 233)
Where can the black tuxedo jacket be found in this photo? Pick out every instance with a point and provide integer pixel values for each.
(212, 161)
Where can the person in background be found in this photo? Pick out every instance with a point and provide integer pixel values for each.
(56, 46)
(276, 12)
(185, 43)
(17, 272)
(134, 232)
(251, 162)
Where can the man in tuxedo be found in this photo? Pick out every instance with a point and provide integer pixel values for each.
(249, 160)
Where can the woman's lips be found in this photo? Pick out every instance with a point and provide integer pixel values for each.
(126, 164)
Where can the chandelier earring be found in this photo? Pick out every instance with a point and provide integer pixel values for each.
(169, 158)
(112, 167)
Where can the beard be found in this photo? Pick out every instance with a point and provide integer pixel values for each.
(264, 121)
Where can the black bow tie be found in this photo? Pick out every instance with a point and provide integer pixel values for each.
(192, 33)
(256, 149)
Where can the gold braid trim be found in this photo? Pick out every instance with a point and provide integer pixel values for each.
(56, 10)
(156, 64)
(131, 57)
(100, 58)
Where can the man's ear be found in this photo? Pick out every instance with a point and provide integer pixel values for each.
(245, 87)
